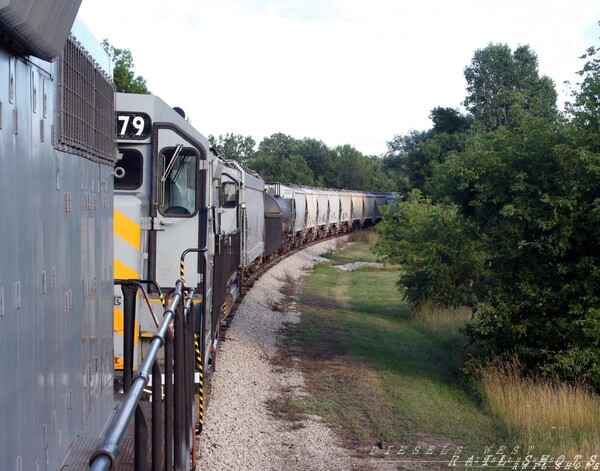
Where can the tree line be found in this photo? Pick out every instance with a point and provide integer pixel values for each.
(285, 159)
(502, 214)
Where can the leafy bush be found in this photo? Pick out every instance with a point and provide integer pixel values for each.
(441, 261)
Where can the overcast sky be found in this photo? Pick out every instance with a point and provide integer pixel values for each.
(342, 71)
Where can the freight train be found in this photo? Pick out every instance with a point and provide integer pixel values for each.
(126, 240)
(173, 191)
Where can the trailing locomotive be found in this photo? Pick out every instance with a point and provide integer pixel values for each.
(184, 213)
(173, 193)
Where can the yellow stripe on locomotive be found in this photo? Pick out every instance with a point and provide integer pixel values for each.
(128, 265)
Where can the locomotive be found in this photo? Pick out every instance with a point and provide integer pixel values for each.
(56, 274)
(126, 242)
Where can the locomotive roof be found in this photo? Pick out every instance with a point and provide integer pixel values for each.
(159, 111)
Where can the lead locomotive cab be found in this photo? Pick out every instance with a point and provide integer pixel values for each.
(172, 194)
(160, 191)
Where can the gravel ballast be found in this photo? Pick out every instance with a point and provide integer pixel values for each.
(240, 431)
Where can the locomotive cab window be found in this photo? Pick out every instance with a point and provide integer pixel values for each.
(128, 170)
(228, 195)
(178, 181)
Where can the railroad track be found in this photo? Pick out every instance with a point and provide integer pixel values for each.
(250, 279)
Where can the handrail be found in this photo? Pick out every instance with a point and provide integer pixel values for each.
(199, 346)
(184, 347)
(107, 453)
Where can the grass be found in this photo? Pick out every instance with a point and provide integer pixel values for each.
(377, 373)
(356, 251)
(444, 324)
(553, 416)
(381, 374)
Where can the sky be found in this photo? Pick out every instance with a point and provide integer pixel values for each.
(343, 72)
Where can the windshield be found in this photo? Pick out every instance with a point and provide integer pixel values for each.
(178, 181)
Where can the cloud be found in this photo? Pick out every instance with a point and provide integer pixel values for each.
(307, 10)
(342, 71)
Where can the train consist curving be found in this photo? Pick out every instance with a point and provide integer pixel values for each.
(126, 240)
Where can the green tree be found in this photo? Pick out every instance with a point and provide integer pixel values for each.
(449, 120)
(441, 261)
(533, 196)
(408, 159)
(277, 145)
(417, 152)
(234, 146)
(584, 109)
(277, 161)
(292, 170)
(353, 168)
(123, 75)
(502, 85)
(524, 189)
(284, 159)
(392, 165)
(322, 161)
(379, 179)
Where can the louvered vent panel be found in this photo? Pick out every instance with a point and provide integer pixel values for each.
(86, 100)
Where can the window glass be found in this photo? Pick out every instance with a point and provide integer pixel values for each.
(228, 195)
(178, 181)
(128, 170)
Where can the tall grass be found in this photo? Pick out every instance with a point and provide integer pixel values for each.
(443, 323)
(554, 417)
(363, 236)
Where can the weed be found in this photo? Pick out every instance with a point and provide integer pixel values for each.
(276, 305)
(444, 324)
(340, 243)
(328, 255)
(289, 285)
(288, 288)
(284, 407)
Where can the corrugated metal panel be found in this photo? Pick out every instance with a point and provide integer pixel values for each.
(357, 207)
(322, 207)
(9, 276)
(334, 206)
(311, 210)
(253, 199)
(345, 207)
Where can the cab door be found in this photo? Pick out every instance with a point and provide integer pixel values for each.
(178, 195)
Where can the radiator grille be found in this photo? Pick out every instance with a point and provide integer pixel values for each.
(86, 100)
